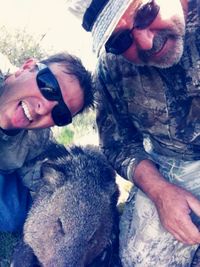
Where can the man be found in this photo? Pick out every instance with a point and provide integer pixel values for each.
(148, 77)
(36, 96)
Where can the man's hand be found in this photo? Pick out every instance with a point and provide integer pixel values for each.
(174, 206)
(173, 203)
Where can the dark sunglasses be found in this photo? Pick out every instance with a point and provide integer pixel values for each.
(122, 40)
(50, 89)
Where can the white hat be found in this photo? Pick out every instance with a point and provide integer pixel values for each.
(100, 17)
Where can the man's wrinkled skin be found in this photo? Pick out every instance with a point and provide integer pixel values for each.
(173, 203)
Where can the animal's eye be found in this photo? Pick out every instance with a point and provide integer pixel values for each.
(60, 225)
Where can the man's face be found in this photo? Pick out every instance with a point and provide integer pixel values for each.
(22, 106)
(161, 43)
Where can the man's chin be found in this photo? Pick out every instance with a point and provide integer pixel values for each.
(169, 59)
(167, 62)
(163, 63)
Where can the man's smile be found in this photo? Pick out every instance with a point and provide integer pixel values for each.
(26, 111)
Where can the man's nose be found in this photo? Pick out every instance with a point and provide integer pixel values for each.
(143, 38)
(44, 106)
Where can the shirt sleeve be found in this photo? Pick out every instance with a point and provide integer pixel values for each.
(119, 138)
(30, 172)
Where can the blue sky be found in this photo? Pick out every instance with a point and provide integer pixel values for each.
(63, 31)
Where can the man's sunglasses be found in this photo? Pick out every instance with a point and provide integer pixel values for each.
(50, 89)
(122, 40)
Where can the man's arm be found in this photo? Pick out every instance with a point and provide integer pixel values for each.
(123, 146)
(173, 203)
(119, 138)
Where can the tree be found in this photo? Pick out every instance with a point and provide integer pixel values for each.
(18, 45)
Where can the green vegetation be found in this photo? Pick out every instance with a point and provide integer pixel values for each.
(66, 136)
(19, 45)
(82, 125)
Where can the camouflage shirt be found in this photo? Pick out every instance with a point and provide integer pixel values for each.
(162, 104)
(17, 149)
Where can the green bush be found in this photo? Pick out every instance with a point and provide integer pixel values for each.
(82, 125)
(19, 45)
(65, 136)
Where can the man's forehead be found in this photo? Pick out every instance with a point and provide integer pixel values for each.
(130, 12)
(134, 6)
(59, 70)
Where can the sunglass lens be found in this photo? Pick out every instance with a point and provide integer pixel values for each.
(61, 115)
(146, 15)
(48, 86)
(119, 42)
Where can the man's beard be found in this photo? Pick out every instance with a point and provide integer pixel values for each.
(170, 58)
(173, 55)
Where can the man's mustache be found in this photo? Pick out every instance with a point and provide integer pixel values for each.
(158, 42)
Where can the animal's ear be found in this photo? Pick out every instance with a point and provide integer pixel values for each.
(53, 174)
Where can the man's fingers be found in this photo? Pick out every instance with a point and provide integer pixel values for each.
(188, 231)
(184, 230)
(178, 237)
(194, 205)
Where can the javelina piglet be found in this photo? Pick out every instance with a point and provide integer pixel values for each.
(73, 214)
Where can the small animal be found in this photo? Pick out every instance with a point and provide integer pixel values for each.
(74, 213)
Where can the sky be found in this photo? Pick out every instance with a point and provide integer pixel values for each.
(50, 17)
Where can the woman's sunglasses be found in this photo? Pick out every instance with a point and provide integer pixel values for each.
(50, 89)
(122, 40)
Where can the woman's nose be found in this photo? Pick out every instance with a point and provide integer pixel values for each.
(143, 38)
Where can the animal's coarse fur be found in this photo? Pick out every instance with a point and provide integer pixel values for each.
(73, 215)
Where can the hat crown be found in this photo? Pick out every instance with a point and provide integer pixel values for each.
(92, 13)
(99, 16)
(78, 7)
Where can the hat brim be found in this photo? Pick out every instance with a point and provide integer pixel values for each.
(107, 21)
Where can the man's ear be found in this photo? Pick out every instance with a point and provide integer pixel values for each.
(28, 65)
